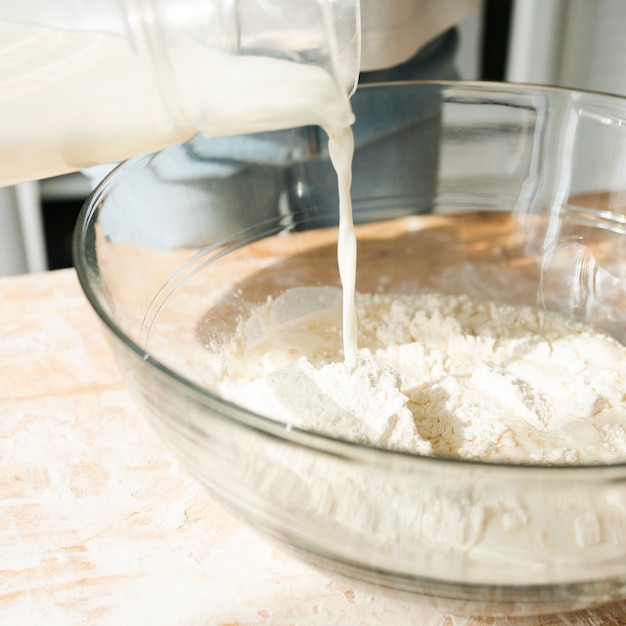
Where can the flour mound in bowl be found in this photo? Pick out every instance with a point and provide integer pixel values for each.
(434, 374)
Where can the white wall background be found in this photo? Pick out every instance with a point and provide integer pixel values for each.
(571, 43)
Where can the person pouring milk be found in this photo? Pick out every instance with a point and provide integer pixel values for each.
(97, 82)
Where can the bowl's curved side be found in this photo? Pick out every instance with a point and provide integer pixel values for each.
(168, 236)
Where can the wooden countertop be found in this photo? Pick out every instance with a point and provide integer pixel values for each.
(98, 525)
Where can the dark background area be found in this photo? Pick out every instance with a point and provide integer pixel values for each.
(59, 217)
(495, 38)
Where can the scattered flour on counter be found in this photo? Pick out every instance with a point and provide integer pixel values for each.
(434, 374)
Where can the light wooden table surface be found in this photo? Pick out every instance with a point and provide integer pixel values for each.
(98, 525)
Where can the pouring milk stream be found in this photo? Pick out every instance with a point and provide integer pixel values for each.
(75, 97)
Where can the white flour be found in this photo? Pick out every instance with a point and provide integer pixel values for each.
(433, 374)
(437, 375)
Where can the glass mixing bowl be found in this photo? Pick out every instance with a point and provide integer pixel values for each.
(501, 192)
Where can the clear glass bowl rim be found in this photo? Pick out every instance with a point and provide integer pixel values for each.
(312, 440)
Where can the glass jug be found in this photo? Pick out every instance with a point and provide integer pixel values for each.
(85, 83)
